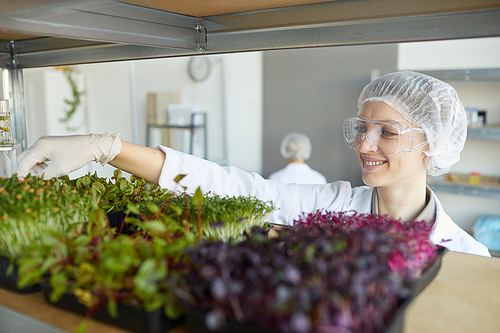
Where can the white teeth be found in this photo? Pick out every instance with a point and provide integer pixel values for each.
(372, 162)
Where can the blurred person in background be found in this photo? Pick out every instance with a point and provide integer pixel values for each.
(296, 149)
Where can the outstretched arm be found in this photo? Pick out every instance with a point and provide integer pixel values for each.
(57, 156)
(141, 161)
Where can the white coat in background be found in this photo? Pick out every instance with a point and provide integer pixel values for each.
(298, 173)
(292, 200)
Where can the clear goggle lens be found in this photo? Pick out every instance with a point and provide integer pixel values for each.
(383, 136)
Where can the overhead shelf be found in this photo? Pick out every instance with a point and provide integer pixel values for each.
(39, 33)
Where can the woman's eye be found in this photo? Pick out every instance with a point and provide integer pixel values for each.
(388, 133)
(360, 129)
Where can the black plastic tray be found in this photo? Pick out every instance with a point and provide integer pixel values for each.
(195, 322)
(129, 318)
(10, 281)
(428, 274)
(117, 218)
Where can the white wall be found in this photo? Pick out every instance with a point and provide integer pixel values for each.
(108, 102)
(450, 54)
(482, 156)
(244, 101)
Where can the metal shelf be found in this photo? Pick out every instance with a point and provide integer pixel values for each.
(16, 322)
(462, 189)
(468, 75)
(491, 133)
(191, 127)
(77, 31)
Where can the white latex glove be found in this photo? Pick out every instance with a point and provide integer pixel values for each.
(67, 154)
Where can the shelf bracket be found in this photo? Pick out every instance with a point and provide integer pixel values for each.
(14, 59)
(201, 36)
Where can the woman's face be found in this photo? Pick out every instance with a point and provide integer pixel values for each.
(396, 170)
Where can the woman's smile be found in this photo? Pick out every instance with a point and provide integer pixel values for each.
(370, 164)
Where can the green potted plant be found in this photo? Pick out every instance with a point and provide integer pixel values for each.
(28, 208)
(121, 279)
(222, 217)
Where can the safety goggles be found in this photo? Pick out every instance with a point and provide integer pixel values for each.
(384, 136)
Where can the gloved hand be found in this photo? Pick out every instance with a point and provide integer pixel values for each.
(67, 154)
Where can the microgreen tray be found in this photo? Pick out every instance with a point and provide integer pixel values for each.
(10, 281)
(428, 273)
(129, 318)
(195, 322)
(117, 218)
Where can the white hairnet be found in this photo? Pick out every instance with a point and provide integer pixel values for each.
(430, 104)
(296, 146)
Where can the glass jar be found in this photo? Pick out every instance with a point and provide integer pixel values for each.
(7, 142)
(6, 134)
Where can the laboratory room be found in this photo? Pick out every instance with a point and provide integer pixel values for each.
(249, 166)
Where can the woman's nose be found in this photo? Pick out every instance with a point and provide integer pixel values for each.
(367, 144)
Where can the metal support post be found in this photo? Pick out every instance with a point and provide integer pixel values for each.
(12, 90)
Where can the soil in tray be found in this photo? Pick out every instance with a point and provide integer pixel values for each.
(129, 318)
(9, 281)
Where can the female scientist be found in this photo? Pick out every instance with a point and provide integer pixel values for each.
(409, 125)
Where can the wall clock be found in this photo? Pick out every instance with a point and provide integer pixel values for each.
(199, 68)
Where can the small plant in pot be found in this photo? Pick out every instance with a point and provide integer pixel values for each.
(103, 269)
(28, 208)
(222, 217)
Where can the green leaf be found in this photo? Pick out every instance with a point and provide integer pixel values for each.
(122, 184)
(173, 310)
(156, 226)
(310, 251)
(117, 265)
(117, 174)
(99, 187)
(59, 279)
(10, 269)
(82, 240)
(198, 197)
(177, 210)
(112, 308)
(178, 178)
(83, 182)
(152, 207)
(134, 209)
(154, 302)
(57, 293)
(82, 327)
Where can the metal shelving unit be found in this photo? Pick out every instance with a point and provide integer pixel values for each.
(191, 128)
(463, 189)
(488, 132)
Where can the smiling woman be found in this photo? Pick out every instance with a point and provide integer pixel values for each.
(409, 102)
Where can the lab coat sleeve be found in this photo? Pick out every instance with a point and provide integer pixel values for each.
(290, 200)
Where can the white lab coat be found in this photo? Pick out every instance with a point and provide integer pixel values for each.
(293, 199)
(298, 173)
